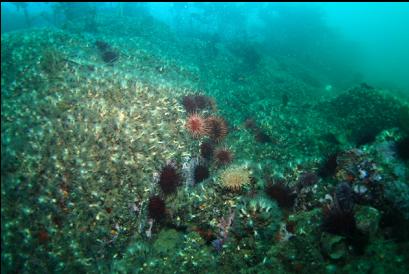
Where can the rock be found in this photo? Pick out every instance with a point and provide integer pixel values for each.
(367, 219)
(333, 246)
(331, 268)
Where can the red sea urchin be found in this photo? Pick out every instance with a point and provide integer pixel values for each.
(169, 179)
(223, 156)
(216, 128)
(196, 125)
(156, 208)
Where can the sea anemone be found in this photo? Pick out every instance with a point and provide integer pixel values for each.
(223, 156)
(201, 173)
(284, 195)
(235, 178)
(169, 179)
(196, 125)
(261, 217)
(206, 150)
(216, 128)
(156, 208)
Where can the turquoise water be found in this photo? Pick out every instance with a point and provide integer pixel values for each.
(204, 138)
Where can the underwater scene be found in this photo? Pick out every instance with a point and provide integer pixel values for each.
(204, 137)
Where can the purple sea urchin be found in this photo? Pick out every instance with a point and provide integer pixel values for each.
(284, 195)
(156, 208)
(223, 156)
(195, 170)
(338, 222)
(402, 148)
(102, 46)
(216, 128)
(340, 219)
(202, 101)
(169, 179)
(189, 103)
(328, 166)
(262, 137)
(109, 56)
(201, 173)
(195, 102)
(206, 150)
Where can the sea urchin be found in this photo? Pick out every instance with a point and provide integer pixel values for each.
(196, 125)
(206, 150)
(216, 128)
(283, 194)
(223, 156)
(156, 208)
(169, 179)
(201, 173)
(196, 102)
